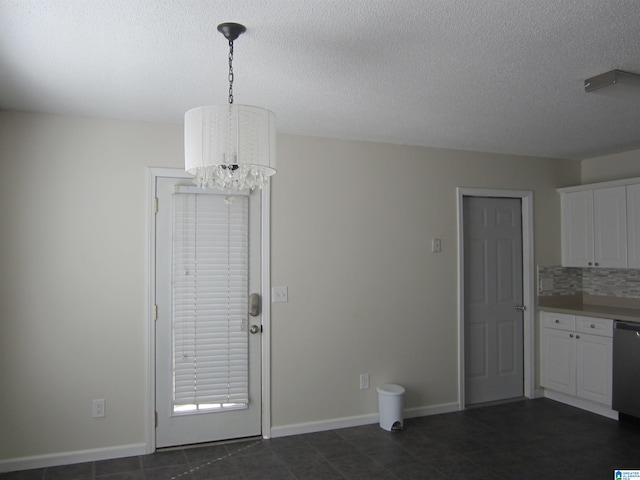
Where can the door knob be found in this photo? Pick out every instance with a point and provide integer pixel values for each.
(255, 329)
(521, 308)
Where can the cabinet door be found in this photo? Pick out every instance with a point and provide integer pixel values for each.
(594, 366)
(633, 226)
(577, 228)
(610, 227)
(559, 360)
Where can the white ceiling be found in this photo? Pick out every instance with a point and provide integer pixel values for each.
(502, 76)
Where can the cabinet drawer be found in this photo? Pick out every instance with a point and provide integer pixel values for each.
(558, 321)
(595, 326)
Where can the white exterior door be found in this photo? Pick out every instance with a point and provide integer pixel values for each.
(493, 289)
(207, 362)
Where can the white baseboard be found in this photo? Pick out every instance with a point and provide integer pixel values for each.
(356, 421)
(432, 410)
(583, 404)
(67, 458)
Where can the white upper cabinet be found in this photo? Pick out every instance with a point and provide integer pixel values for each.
(610, 227)
(601, 225)
(577, 229)
(633, 226)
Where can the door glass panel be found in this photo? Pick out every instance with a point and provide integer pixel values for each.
(210, 302)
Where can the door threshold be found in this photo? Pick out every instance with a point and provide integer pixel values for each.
(495, 402)
(211, 444)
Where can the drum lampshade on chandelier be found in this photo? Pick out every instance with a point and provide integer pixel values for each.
(230, 147)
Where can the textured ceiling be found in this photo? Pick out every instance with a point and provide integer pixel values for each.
(502, 76)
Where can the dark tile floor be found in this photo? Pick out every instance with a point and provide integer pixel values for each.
(528, 439)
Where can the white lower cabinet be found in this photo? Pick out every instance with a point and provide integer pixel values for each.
(577, 355)
(559, 361)
(594, 356)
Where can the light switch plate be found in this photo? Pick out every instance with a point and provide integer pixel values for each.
(98, 410)
(436, 245)
(280, 294)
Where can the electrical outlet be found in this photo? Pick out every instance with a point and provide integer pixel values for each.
(364, 381)
(98, 408)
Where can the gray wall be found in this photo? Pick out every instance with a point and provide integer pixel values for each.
(352, 224)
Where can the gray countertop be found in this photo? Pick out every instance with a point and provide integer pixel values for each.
(615, 308)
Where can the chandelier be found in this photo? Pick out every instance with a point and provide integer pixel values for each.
(230, 147)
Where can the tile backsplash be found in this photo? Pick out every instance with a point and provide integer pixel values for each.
(609, 282)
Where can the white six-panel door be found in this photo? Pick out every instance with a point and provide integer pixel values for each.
(493, 290)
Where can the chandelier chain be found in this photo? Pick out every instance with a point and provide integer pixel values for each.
(230, 72)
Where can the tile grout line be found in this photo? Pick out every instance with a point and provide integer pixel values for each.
(210, 462)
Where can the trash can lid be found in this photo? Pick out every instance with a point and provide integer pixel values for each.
(390, 389)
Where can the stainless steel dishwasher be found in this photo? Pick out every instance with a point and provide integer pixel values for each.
(626, 368)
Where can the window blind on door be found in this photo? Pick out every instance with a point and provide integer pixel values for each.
(210, 300)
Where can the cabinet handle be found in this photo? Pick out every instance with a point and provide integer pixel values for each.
(577, 336)
(593, 326)
(596, 264)
(571, 335)
(589, 264)
(557, 321)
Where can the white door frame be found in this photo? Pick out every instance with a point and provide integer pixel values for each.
(528, 292)
(265, 248)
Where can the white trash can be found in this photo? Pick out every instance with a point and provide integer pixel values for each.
(391, 406)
